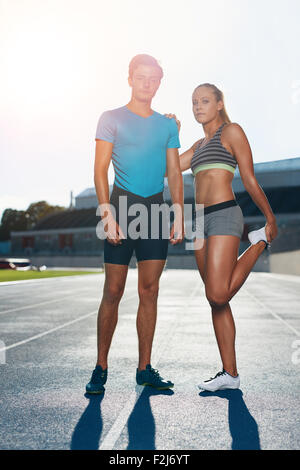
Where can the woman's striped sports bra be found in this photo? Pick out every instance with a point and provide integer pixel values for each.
(213, 155)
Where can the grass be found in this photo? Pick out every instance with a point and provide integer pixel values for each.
(12, 275)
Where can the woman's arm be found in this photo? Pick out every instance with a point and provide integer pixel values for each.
(185, 159)
(235, 136)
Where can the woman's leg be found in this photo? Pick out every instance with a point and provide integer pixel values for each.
(227, 273)
(222, 320)
(223, 275)
(243, 267)
(225, 334)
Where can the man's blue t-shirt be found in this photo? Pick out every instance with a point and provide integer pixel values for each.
(139, 150)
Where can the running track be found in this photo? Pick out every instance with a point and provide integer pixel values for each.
(48, 346)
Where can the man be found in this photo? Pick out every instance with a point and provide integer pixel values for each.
(142, 144)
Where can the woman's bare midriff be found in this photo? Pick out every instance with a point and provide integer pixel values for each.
(213, 186)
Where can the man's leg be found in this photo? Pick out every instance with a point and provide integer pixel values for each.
(149, 273)
(115, 279)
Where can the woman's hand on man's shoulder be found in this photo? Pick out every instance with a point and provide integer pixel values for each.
(173, 116)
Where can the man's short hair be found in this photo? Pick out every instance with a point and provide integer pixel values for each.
(144, 59)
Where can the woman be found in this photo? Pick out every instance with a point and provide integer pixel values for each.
(213, 160)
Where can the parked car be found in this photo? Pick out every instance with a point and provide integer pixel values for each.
(22, 264)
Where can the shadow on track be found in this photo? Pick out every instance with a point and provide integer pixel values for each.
(141, 424)
(87, 432)
(242, 425)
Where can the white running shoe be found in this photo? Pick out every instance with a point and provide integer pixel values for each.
(258, 235)
(221, 381)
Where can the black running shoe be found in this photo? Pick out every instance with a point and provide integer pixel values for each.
(151, 377)
(98, 379)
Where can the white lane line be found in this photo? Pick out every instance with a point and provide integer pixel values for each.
(47, 332)
(269, 310)
(57, 278)
(43, 303)
(6, 348)
(115, 431)
(281, 277)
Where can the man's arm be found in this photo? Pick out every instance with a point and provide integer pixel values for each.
(103, 155)
(175, 183)
(186, 157)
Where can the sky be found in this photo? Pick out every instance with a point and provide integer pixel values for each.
(64, 62)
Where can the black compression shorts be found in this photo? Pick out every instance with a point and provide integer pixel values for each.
(145, 248)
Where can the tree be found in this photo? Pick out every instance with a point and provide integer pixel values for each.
(38, 210)
(15, 220)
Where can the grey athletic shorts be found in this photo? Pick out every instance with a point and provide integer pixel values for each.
(225, 218)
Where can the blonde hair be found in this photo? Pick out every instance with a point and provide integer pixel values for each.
(219, 97)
